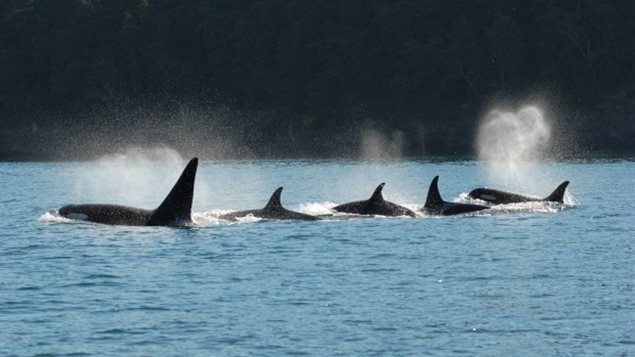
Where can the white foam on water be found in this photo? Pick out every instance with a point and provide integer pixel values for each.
(53, 217)
(528, 207)
(316, 208)
(212, 217)
(414, 207)
(249, 219)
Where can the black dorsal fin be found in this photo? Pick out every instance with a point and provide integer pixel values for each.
(434, 197)
(274, 202)
(377, 195)
(177, 205)
(558, 194)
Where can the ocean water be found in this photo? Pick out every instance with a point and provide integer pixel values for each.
(530, 279)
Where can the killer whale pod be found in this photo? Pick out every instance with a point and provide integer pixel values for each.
(176, 208)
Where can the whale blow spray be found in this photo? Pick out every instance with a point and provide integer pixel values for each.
(510, 142)
(135, 177)
(377, 145)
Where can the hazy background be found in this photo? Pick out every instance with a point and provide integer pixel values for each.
(80, 79)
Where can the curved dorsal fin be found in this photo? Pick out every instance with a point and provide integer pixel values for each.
(178, 203)
(434, 197)
(274, 201)
(377, 195)
(558, 194)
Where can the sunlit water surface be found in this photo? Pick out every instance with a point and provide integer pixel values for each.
(535, 279)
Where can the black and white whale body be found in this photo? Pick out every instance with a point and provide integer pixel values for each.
(273, 210)
(435, 205)
(375, 205)
(502, 197)
(176, 208)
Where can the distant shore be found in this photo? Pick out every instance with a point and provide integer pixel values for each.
(606, 129)
(590, 139)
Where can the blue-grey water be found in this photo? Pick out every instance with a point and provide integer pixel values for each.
(538, 279)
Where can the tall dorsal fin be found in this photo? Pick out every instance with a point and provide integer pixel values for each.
(178, 203)
(434, 197)
(377, 195)
(274, 202)
(558, 194)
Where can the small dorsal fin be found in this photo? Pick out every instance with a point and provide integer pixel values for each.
(434, 197)
(274, 202)
(558, 194)
(377, 195)
(177, 205)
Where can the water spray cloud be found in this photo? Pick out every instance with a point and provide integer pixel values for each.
(376, 145)
(139, 155)
(509, 141)
(137, 176)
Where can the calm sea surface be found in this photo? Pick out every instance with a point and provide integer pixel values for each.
(535, 279)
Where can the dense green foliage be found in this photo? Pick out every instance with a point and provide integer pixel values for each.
(318, 65)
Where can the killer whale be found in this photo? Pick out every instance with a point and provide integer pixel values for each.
(176, 208)
(502, 197)
(273, 210)
(375, 205)
(435, 205)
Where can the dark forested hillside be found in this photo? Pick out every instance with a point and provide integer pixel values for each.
(280, 78)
